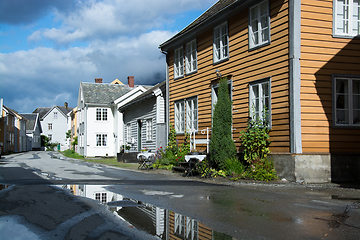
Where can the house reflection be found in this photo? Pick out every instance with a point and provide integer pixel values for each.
(157, 221)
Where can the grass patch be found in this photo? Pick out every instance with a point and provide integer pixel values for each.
(72, 154)
(113, 162)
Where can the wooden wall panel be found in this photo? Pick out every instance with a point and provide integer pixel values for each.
(323, 55)
(244, 66)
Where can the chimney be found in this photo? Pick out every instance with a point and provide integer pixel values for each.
(131, 81)
(98, 80)
(66, 105)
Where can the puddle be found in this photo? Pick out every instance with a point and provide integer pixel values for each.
(154, 220)
(344, 198)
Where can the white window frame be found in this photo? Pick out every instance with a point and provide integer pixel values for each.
(179, 116)
(350, 97)
(221, 43)
(345, 20)
(50, 126)
(178, 63)
(101, 139)
(191, 57)
(50, 137)
(259, 25)
(128, 132)
(191, 229)
(104, 114)
(192, 114)
(179, 227)
(55, 115)
(101, 114)
(260, 98)
(98, 114)
(149, 129)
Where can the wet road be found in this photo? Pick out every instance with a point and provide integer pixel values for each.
(243, 210)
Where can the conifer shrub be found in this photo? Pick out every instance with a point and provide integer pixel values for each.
(222, 146)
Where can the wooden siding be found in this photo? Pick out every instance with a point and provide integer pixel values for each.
(244, 66)
(143, 111)
(204, 233)
(321, 56)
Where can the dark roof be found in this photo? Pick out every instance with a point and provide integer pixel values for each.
(143, 96)
(31, 117)
(105, 93)
(213, 12)
(42, 111)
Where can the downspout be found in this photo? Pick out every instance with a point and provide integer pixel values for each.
(295, 77)
(167, 101)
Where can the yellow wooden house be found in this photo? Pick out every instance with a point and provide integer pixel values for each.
(299, 60)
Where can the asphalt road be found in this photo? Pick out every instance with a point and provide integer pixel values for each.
(244, 210)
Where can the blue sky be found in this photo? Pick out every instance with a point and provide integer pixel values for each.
(47, 47)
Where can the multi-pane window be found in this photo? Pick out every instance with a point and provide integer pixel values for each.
(49, 126)
(50, 137)
(101, 197)
(101, 140)
(180, 116)
(346, 101)
(192, 114)
(259, 25)
(186, 111)
(190, 57)
(148, 129)
(346, 17)
(179, 224)
(178, 63)
(128, 132)
(185, 227)
(55, 115)
(101, 114)
(221, 43)
(260, 108)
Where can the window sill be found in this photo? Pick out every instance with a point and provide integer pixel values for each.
(221, 61)
(191, 73)
(258, 46)
(176, 78)
(346, 36)
(346, 126)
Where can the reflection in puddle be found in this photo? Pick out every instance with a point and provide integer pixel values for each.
(157, 221)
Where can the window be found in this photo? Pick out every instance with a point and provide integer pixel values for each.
(259, 25)
(191, 229)
(128, 132)
(101, 114)
(191, 58)
(50, 137)
(260, 100)
(178, 63)
(101, 140)
(179, 224)
(148, 130)
(49, 126)
(346, 94)
(180, 117)
(101, 197)
(192, 114)
(220, 45)
(346, 18)
(55, 115)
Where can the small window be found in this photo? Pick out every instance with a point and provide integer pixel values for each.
(98, 114)
(259, 25)
(180, 116)
(179, 224)
(260, 105)
(101, 114)
(191, 228)
(221, 43)
(101, 140)
(192, 114)
(178, 63)
(49, 126)
(346, 102)
(55, 115)
(128, 133)
(346, 18)
(148, 129)
(50, 137)
(191, 57)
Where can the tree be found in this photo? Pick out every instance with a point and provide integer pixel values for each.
(68, 134)
(44, 141)
(74, 142)
(222, 145)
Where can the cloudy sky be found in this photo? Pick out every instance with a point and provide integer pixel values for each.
(47, 47)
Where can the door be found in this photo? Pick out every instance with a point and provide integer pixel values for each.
(139, 135)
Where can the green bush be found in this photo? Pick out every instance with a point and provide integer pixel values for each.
(72, 154)
(222, 145)
(233, 166)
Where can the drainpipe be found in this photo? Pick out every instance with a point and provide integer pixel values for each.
(295, 77)
(167, 101)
